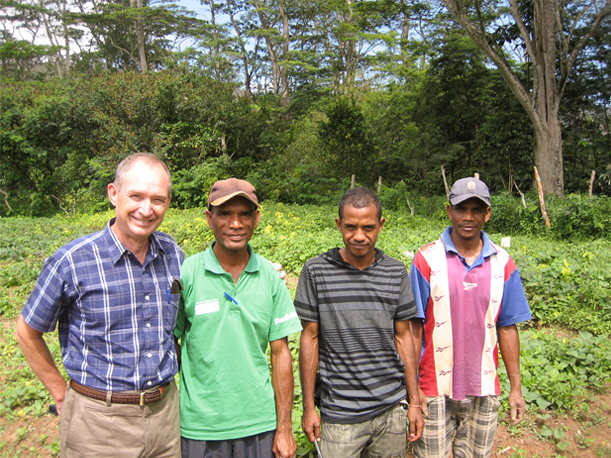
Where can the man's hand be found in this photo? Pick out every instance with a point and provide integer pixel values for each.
(509, 344)
(416, 424)
(517, 405)
(284, 444)
(59, 403)
(423, 402)
(310, 423)
(278, 268)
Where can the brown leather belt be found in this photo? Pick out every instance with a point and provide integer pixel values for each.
(142, 398)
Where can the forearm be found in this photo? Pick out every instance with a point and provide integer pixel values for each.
(415, 329)
(405, 347)
(308, 367)
(282, 381)
(40, 359)
(509, 344)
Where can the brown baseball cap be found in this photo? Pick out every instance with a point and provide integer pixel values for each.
(223, 190)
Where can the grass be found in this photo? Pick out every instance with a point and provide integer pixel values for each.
(567, 286)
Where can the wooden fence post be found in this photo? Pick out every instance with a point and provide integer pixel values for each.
(520, 192)
(592, 182)
(542, 198)
(411, 209)
(352, 181)
(379, 184)
(445, 182)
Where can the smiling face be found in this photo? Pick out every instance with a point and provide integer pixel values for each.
(233, 224)
(468, 218)
(360, 228)
(140, 201)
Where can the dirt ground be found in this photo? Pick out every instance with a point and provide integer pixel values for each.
(588, 436)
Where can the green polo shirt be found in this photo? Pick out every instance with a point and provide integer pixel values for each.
(225, 386)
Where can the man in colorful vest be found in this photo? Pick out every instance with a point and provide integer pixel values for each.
(469, 293)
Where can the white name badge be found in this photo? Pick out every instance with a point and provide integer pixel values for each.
(204, 307)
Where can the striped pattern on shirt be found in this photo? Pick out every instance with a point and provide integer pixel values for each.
(116, 316)
(361, 372)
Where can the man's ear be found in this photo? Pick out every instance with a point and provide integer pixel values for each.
(382, 221)
(339, 223)
(112, 193)
(257, 218)
(208, 214)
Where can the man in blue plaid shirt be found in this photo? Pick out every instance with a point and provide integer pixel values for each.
(114, 297)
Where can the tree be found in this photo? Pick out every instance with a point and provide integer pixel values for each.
(132, 34)
(548, 32)
(25, 22)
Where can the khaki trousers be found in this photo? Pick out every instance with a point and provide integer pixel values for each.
(384, 436)
(90, 428)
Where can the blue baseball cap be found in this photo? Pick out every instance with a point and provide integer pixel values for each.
(467, 188)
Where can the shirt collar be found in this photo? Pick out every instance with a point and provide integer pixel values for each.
(212, 263)
(487, 248)
(336, 257)
(117, 249)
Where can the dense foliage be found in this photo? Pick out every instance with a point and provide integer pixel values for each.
(296, 109)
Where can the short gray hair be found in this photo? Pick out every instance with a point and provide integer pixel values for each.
(126, 164)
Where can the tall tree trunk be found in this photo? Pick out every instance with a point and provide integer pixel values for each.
(548, 133)
(351, 52)
(215, 40)
(66, 38)
(285, 53)
(243, 51)
(405, 34)
(140, 36)
(52, 39)
(548, 156)
(273, 57)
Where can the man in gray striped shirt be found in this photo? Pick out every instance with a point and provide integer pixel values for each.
(355, 304)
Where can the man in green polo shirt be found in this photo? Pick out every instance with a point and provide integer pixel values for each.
(233, 304)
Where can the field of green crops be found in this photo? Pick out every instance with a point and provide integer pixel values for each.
(566, 352)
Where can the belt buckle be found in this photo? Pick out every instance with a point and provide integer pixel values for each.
(142, 399)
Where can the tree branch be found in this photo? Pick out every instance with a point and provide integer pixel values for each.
(59, 203)
(6, 199)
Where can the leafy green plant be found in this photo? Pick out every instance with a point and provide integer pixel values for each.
(556, 434)
(556, 372)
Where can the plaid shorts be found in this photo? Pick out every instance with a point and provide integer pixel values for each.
(468, 427)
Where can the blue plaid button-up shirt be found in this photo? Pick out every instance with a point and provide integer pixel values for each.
(116, 316)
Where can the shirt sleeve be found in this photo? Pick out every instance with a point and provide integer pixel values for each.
(284, 318)
(407, 305)
(421, 288)
(50, 296)
(514, 306)
(306, 299)
(181, 319)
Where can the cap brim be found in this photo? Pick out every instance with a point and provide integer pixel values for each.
(460, 199)
(222, 200)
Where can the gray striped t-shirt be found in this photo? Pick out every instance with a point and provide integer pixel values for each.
(361, 372)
